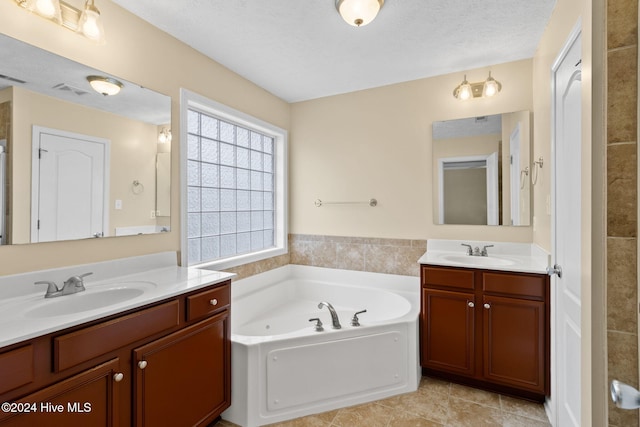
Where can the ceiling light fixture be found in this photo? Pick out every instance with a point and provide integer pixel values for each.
(359, 12)
(106, 86)
(86, 22)
(164, 136)
(485, 89)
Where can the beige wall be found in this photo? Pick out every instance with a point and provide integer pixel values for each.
(377, 143)
(509, 123)
(565, 16)
(140, 53)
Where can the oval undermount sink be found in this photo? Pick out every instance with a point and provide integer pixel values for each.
(478, 260)
(91, 299)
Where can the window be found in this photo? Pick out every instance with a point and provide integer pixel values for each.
(234, 180)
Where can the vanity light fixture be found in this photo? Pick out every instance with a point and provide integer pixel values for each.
(49, 9)
(359, 12)
(106, 86)
(464, 90)
(90, 23)
(164, 136)
(485, 89)
(86, 22)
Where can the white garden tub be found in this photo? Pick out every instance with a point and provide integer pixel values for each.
(283, 369)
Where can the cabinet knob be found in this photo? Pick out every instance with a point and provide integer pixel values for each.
(487, 305)
(471, 304)
(118, 376)
(142, 364)
(213, 302)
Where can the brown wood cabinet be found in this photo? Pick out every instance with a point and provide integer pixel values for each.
(486, 328)
(164, 364)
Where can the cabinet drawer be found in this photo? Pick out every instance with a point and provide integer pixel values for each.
(16, 367)
(83, 345)
(207, 302)
(514, 284)
(449, 277)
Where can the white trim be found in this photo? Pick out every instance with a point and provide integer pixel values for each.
(551, 403)
(35, 174)
(190, 99)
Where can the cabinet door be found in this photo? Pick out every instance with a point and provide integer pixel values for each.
(184, 379)
(448, 331)
(514, 342)
(87, 399)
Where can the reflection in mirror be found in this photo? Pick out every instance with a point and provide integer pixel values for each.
(481, 170)
(79, 164)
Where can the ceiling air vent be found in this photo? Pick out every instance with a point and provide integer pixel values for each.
(12, 79)
(64, 87)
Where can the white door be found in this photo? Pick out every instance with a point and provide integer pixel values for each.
(68, 186)
(566, 235)
(516, 175)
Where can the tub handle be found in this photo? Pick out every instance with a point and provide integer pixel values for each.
(355, 321)
(318, 324)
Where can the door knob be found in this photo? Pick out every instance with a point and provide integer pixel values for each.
(142, 364)
(487, 306)
(556, 269)
(624, 396)
(117, 377)
(471, 304)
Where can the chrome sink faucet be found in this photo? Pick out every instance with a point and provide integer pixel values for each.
(334, 316)
(471, 251)
(72, 285)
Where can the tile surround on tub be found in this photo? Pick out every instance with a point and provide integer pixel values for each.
(377, 255)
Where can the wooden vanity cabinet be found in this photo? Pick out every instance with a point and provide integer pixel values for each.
(183, 378)
(486, 328)
(95, 372)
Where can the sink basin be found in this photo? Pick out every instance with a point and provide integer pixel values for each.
(485, 261)
(93, 298)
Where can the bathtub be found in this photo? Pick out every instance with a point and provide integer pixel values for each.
(283, 369)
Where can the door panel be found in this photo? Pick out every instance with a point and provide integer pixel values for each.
(71, 186)
(448, 331)
(567, 231)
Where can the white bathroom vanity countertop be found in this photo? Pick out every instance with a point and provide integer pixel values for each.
(158, 274)
(515, 257)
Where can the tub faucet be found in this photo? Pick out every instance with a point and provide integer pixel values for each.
(334, 316)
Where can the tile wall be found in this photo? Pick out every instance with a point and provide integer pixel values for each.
(392, 256)
(622, 285)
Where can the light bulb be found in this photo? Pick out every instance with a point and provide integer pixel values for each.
(90, 23)
(464, 90)
(491, 87)
(46, 8)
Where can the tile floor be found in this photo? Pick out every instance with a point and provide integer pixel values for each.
(436, 403)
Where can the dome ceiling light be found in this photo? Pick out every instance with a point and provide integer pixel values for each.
(106, 86)
(359, 12)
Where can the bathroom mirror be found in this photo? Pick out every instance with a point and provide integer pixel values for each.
(482, 170)
(80, 164)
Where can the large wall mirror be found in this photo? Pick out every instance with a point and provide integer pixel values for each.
(481, 170)
(78, 164)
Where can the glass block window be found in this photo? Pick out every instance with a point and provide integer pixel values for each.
(231, 189)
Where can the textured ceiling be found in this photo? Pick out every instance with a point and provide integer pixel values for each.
(44, 72)
(302, 49)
